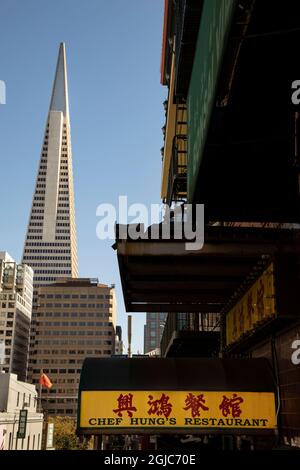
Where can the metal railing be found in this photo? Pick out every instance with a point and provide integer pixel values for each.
(177, 185)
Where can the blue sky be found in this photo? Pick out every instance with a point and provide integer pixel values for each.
(113, 57)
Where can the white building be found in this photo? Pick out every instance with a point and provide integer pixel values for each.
(50, 246)
(154, 353)
(16, 288)
(15, 396)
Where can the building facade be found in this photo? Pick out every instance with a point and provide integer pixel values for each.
(245, 278)
(153, 330)
(118, 340)
(50, 245)
(75, 319)
(16, 395)
(16, 287)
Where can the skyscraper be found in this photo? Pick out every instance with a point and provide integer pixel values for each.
(50, 246)
(153, 330)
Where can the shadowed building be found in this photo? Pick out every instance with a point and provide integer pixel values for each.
(153, 330)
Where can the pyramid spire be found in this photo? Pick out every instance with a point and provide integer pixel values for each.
(59, 98)
(50, 245)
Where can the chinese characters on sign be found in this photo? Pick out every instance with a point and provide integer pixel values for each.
(125, 404)
(127, 409)
(160, 407)
(254, 308)
(194, 403)
(21, 433)
(231, 406)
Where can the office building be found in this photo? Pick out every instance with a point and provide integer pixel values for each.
(75, 319)
(153, 330)
(118, 340)
(15, 315)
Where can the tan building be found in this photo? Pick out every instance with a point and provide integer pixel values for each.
(15, 315)
(75, 319)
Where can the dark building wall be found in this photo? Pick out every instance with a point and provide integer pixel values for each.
(289, 380)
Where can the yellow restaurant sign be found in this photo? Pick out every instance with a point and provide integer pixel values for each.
(174, 409)
(254, 308)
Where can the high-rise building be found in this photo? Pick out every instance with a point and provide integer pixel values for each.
(75, 319)
(118, 340)
(50, 246)
(153, 330)
(15, 315)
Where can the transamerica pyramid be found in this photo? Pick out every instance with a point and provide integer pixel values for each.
(50, 246)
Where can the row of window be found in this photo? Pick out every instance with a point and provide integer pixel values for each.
(7, 296)
(57, 371)
(71, 352)
(54, 411)
(50, 271)
(57, 257)
(46, 244)
(43, 251)
(73, 333)
(50, 305)
(72, 323)
(91, 306)
(76, 296)
(60, 362)
(49, 265)
(7, 304)
(73, 315)
(21, 443)
(71, 342)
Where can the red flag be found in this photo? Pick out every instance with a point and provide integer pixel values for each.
(44, 380)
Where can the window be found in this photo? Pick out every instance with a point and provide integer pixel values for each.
(33, 442)
(18, 398)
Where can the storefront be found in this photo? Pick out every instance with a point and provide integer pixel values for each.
(174, 396)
